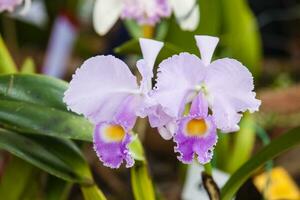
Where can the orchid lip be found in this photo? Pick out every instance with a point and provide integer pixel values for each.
(111, 142)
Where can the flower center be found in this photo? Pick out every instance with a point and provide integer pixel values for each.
(201, 88)
(114, 133)
(196, 127)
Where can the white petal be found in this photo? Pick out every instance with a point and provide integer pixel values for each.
(106, 14)
(150, 49)
(230, 89)
(177, 78)
(27, 5)
(98, 88)
(165, 133)
(187, 13)
(207, 46)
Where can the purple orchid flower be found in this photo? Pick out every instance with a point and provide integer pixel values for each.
(105, 91)
(10, 5)
(145, 12)
(226, 84)
(196, 133)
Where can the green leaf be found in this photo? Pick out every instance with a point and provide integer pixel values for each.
(18, 170)
(34, 187)
(136, 149)
(37, 89)
(243, 142)
(33, 104)
(162, 30)
(58, 157)
(92, 193)
(222, 151)
(30, 118)
(28, 66)
(7, 64)
(140, 179)
(133, 28)
(68, 152)
(57, 189)
(129, 47)
(209, 25)
(141, 182)
(281, 144)
(241, 37)
(136, 31)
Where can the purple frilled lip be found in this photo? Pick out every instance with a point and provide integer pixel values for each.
(112, 152)
(111, 138)
(196, 134)
(188, 146)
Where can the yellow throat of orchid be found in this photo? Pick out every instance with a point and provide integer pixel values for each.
(196, 127)
(114, 133)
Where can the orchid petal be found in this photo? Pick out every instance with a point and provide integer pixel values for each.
(176, 81)
(157, 117)
(26, 8)
(126, 114)
(187, 13)
(207, 46)
(147, 12)
(98, 88)
(165, 133)
(168, 130)
(150, 49)
(106, 14)
(230, 90)
(9, 5)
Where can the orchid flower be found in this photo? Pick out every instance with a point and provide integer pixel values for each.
(105, 91)
(10, 5)
(145, 12)
(225, 84)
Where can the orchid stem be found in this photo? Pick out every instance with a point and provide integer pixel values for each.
(208, 168)
(209, 183)
(141, 127)
(148, 31)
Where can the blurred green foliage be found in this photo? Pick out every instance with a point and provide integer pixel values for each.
(23, 183)
(276, 147)
(241, 37)
(7, 64)
(238, 145)
(58, 157)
